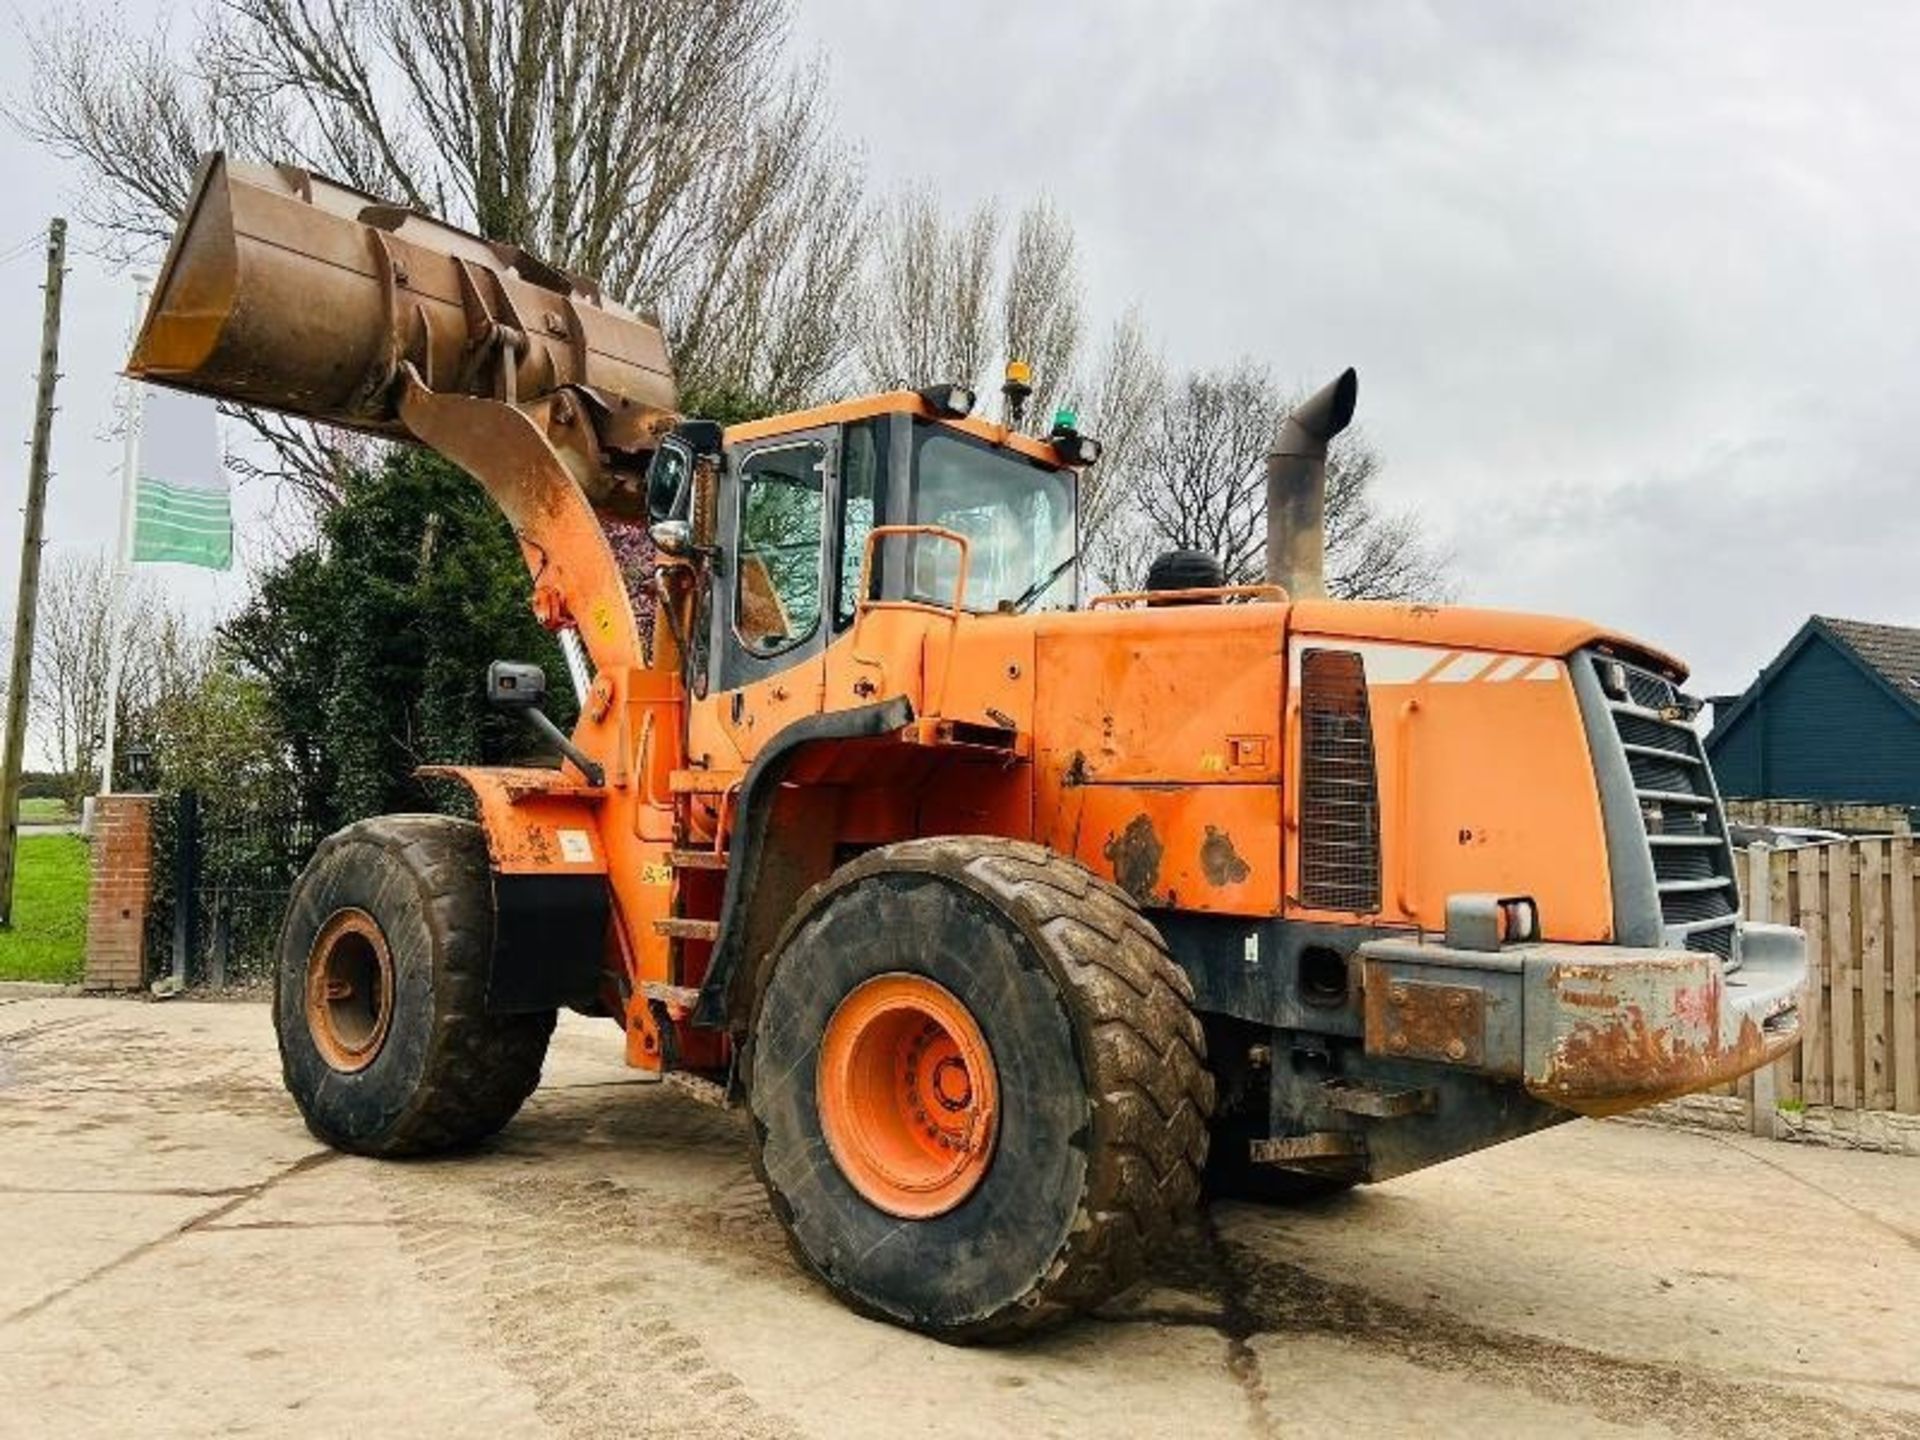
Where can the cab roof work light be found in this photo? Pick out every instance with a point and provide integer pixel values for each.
(951, 399)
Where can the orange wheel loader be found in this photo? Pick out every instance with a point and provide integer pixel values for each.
(1013, 918)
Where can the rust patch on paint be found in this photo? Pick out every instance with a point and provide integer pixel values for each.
(1631, 1034)
(1135, 856)
(1611, 1068)
(1219, 861)
(538, 849)
(1419, 1020)
(1590, 999)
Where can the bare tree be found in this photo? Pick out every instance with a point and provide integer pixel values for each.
(932, 289)
(167, 655)
(1040, 308)
(138, 120)
(927, 314)
(1183, 467)
(174, 659)
(73, 658)
(771, 329)
(1197, 481)
(1123, 396)
(1375, 554)
(666, 148)
(944, 300)
(1200, 465)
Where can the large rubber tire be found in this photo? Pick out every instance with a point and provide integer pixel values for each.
(1105, 1095)
(442, 1073)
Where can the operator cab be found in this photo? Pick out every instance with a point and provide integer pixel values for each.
(802, 494)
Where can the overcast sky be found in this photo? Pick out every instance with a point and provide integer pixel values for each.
(1631, 287)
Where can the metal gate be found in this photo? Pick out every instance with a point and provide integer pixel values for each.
(221, 877)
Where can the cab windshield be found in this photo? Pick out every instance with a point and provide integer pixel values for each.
(1017, 516)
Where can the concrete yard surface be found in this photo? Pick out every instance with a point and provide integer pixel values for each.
(180, 1257)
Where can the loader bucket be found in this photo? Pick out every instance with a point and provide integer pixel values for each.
(291, 292)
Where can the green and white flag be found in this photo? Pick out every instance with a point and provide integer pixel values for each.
(182, 509)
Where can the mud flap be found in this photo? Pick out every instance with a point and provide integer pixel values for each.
(549, 942)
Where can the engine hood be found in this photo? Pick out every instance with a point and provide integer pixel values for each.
(1462, 627)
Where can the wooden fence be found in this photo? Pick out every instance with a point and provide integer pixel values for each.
(1861, 1022)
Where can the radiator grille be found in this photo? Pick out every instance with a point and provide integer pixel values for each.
(1680, 811)
(1340, 792)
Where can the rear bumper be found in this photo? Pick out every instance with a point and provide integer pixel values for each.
(1597, 1029)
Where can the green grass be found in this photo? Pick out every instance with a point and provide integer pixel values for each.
(48, 937)
(44, 811)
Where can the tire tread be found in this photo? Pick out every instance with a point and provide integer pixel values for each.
(1142, 1047)
(481, 1067)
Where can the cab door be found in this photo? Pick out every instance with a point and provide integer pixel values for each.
(772, 593)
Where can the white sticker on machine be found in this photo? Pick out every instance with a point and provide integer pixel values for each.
(576, 847)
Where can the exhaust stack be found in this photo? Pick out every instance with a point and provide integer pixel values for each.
(1297, 487)
(291, 292)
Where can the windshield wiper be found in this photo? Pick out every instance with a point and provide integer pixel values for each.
(1040, 587)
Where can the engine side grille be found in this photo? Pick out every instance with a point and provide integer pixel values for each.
(1682, 862)
(1339, 786)
(1679, 810)
(1653, 734)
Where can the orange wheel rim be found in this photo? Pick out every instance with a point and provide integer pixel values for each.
(909, 1099)
(349, 990)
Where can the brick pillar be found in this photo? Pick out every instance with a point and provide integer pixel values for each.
(121, 892)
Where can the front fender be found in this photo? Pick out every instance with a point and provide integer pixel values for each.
(761, 889)
(551, 901)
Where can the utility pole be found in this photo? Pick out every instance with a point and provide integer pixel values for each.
(20, 677)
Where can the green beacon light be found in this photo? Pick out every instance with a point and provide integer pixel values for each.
(1067, 441)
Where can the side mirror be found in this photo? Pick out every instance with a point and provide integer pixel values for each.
(669, 479)
(513, 686)
(672, 537)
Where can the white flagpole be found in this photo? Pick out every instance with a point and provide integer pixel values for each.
(123, 554)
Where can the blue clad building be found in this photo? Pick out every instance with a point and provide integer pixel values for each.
(1834, 718)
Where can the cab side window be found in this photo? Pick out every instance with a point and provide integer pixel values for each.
(776, 597)
(863, 474)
